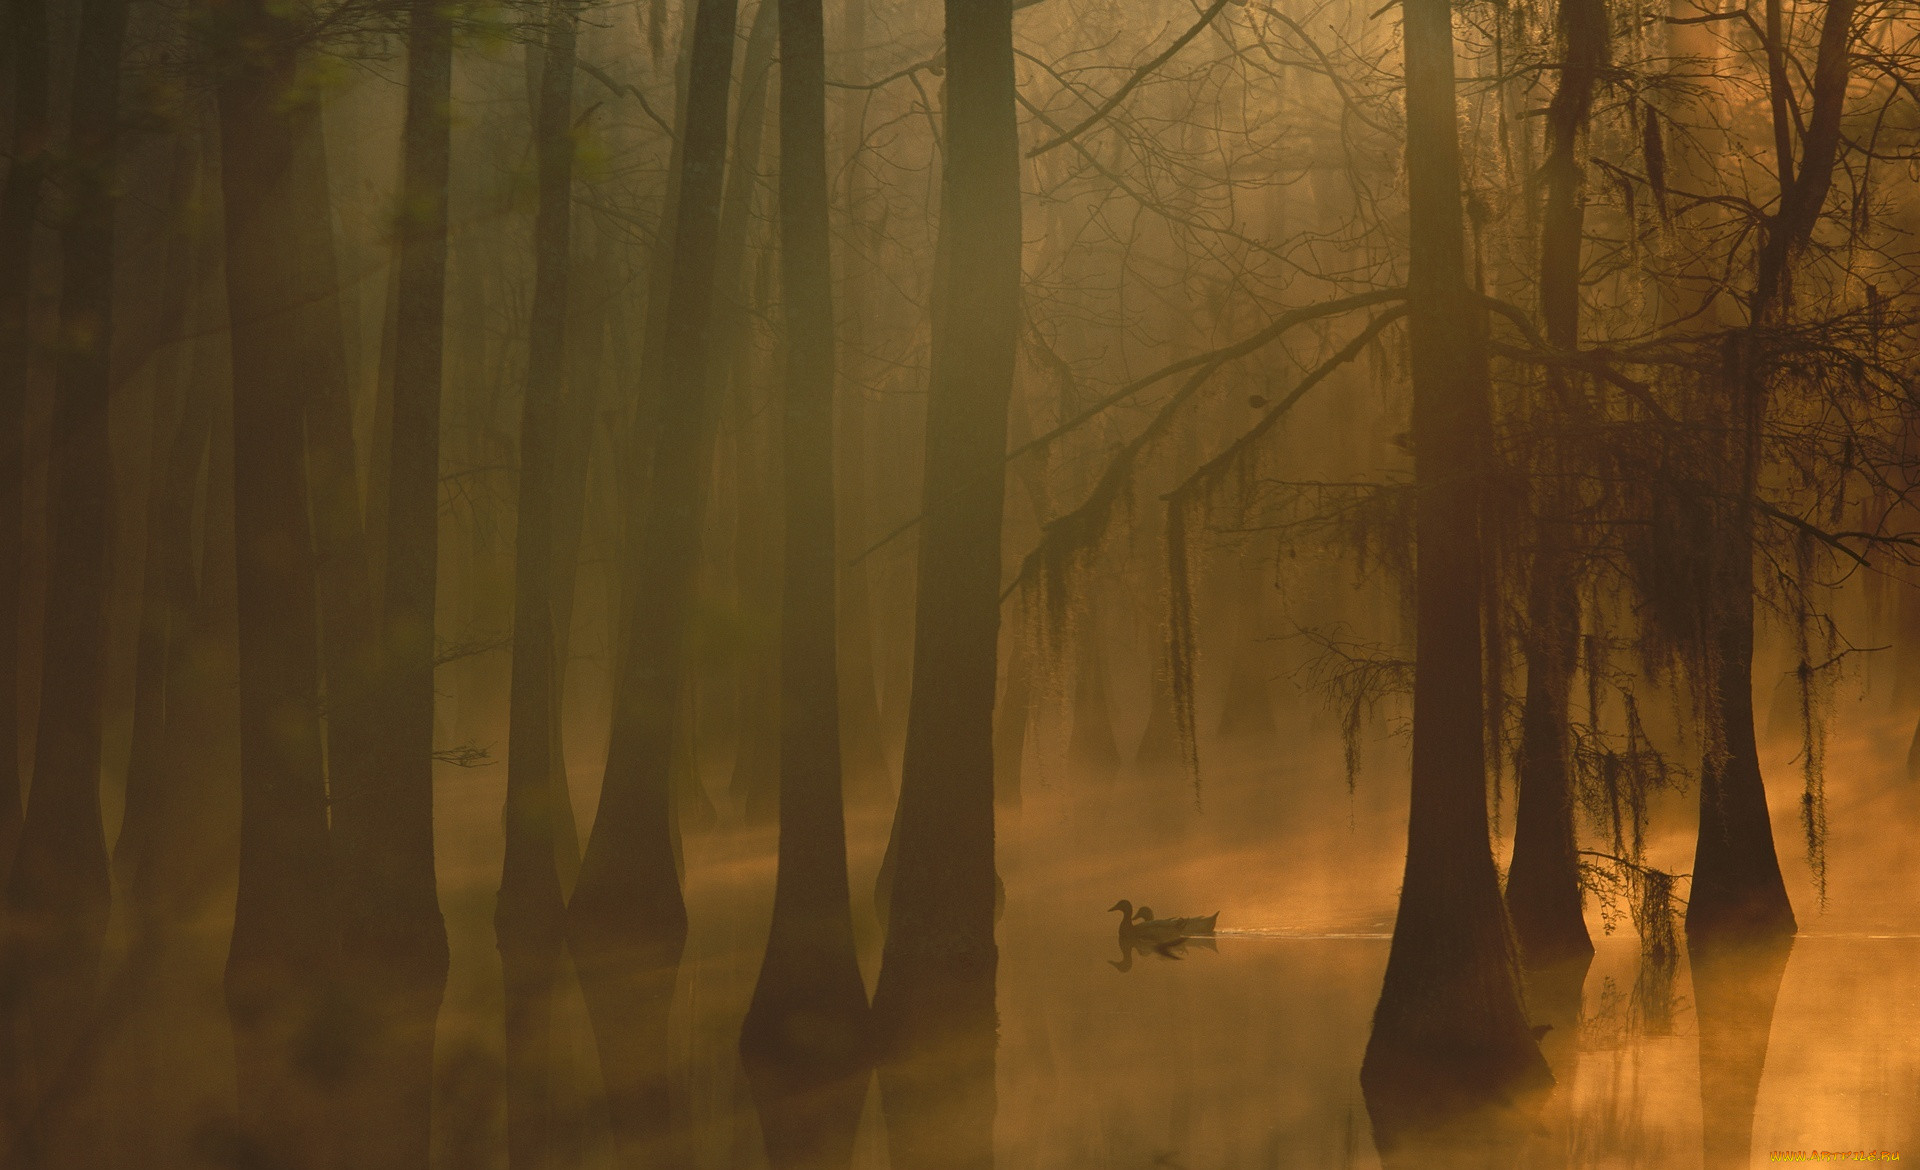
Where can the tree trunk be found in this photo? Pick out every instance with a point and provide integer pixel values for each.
(182, 418)
(627, 921)
(865, 753)
(280, 970)
(1543, 883)
(756, 771)
(530, 913)
(59, 889)
(19, 208)
(809, 1006)
(394, 938)
(1738, 892)
(1449, 1034)
(938, 967)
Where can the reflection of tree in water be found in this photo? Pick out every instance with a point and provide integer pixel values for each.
(1735, 989)
(1654, 909)
(1653, 917)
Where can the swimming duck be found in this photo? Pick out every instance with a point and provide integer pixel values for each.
(1143, 917)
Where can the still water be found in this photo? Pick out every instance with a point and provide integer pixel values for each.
(1245, 1053)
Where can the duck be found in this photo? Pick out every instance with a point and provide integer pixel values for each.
(1143, 917)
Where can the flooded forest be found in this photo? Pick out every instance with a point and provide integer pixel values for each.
(954, 584)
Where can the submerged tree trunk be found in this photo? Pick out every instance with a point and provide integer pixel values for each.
(530, 915)
(1543, 883)
(19, 208)
(627, 921)
(809, 1006)
(280, 970)
(59, 888)
(1449, 1034)
(938, 967)
(394, 939)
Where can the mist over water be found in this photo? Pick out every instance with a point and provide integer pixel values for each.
(1245, 1051)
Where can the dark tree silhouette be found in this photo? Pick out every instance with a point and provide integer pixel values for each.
(1449, 1032)
(19, 208)
(281, 970)
(1543, 883)
(627, 920)
(809, 1006)
(59, 889)
(937, 968)
(1737, 888)
(394, 939)
(529, 920)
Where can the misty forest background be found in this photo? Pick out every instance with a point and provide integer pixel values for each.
(475, 472)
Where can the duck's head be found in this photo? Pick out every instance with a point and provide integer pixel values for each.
(1143, 914)
(1123, 906)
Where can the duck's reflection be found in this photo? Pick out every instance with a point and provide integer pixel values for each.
(1167, 950)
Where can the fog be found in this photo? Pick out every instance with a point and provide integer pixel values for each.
(1024, 583)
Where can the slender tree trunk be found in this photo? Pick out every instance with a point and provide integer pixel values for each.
(530, 915)
(756, 776)
(281, 968)
(59, 888)
(1737, 888)
(394, 939)
(182, 881)
(1449, 1033)
(19, 208)
(755, 785)
(182, 418)
(938, 966)
(627, 921)
(589, 291)
(1543, 883)
(865, 755)
(809, 1006)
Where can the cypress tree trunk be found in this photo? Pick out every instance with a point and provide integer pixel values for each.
(864, 757)
(530, 914)
(182, 418)
(756, 770)
(1449, 1034)
(627, 920)
(59, 888)
(938, 967)
(19, 206)
(1543, 883)
(394, 939)
(809, 1006)
(1737, 888)
(280, 978)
